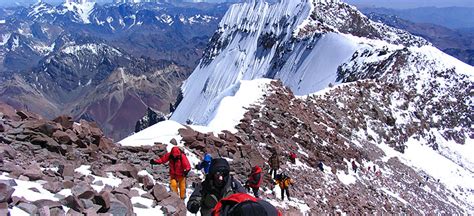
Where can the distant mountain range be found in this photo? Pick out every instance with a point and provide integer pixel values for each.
(450, 17)
(458, 43)
(102, 63)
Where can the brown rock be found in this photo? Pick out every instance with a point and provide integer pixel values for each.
(66, 170)
(125, 169)
(199, 145)
(147, 182)
(6, 192)
(68, 184)
(160, 193)
(176, 203)
(65, 121)
(28, 208)
(33, 172)
(42, 126)
(172, 141)
(103, 199)
(73, 203)
(7, 151)
(4, 209)
(8, 112)
(81, 188)
(53, 187)
(62, 137)
(2, 128)
(48, 203)
(105, 144)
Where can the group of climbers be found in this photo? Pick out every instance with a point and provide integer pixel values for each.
(220, 193)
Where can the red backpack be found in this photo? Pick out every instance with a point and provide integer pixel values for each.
(244, 204)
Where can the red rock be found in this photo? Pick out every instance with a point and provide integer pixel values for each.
(105, 144)
(125, 169)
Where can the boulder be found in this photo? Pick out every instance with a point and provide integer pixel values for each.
(57, 211)
(6, 192)
(33, 172)
(45, 127)
(172, 141)
(4, 209)
(66, 170)
(65, 121)
(62, 137)
(7, 151)
(117, 208)
(102, 199)
(199, 145)
(47, 203)
(159, 192)
(173, 201)
(105, 144)
(28, 208)
(8, 112)
(147, 182)
(2, 128)
(81, 188)
(53, 186)
(73, 203)
(125, 169)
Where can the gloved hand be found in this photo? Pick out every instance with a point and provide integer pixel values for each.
(153, 162)
(186, 172)
(193, 207)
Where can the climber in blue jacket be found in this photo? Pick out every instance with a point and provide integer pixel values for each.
(205, 164)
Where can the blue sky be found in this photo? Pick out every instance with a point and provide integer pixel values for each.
(377, 3)
(411, 3)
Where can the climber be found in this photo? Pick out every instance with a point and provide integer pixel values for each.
(284, 182)
(274, 162)
(217, 185)
(254, 180)
(245, 205)
(354, 166)
(293, 157)
(205, 163)
(179, 169)
(321, 166)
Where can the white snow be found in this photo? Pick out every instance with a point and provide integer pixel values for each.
(2, 21)
(346, 178)
(82, 10)
(234, 100)
(452, 175)
(22, 189)
(161, 132)
(5, 38)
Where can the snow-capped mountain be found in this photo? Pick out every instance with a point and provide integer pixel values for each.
(63, 53)
(297, 42)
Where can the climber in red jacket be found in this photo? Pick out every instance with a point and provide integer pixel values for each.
(254, 180)
(179, 169)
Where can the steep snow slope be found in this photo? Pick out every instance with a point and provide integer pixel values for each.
(301, 43)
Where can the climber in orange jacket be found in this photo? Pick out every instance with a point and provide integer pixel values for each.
(179, 169)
